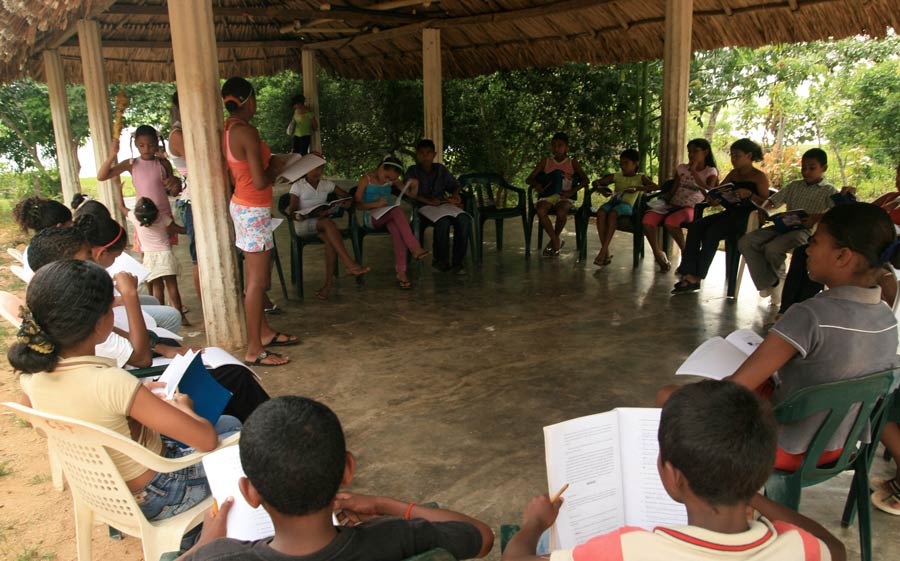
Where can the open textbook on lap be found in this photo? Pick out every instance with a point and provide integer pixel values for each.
(329, 206)
(718, 358)
(609, 462)
(377, 213)
(435, 213)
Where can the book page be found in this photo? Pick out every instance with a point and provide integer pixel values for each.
(647, 504)
(175, 372)
(716, 358)
(584, 453)
(297, 166)
(223, 471)
(435, 213)
(276, 222)
(377, 213)
(129, 264)
(746, 340)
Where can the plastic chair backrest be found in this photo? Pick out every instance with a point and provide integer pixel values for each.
(483, 184)
(9, 308)
(17, 255)
(283, 202)
(836, 399)
(21, 272)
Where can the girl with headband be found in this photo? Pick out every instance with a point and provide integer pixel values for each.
(375, 190)
(253, 170)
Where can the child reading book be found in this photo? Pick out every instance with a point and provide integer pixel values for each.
(629, 184)
(154, 229)
(841, 333)
(557, 181)
(765, 250)
(293, 452)
(61, 375)
(716, 446)
(309, 202)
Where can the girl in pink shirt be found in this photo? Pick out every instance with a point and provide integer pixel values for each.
(152, 227)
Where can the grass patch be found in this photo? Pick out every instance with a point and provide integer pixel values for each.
(39, 479)
(5, 469)
(33, 554)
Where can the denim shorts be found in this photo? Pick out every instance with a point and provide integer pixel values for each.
(622, 209)
(170, 494)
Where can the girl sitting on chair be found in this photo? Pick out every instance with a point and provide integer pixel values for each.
(61, 375)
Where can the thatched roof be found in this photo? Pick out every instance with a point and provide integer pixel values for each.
(368, 39)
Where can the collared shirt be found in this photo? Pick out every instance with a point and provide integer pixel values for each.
(310, 196)
(432, 185)
(798, 195)
(92, 389)
(842, 333)
(763, 541)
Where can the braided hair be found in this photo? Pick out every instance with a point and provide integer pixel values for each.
(101, 231)
(37, 213)
(65, 302)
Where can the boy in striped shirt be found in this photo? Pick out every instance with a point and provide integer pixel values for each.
(716, 449)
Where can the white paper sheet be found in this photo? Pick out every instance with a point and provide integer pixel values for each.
(129, 264)
(276, 222)
(379, 212)
(175, 372)
(223, 471)
(716, 358)
(435, 213)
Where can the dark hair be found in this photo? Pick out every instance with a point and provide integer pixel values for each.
(631, 154)
(703, 144)
(37, 213)
(54, 244)
(426, 143)
(391, 161)
(238, 90)
(299, 98)
(175, 98)
(102, 232)
(145, 211)
(748, 147)
(864, 229)
(722, 437)
(146, 130)
(293, 452)
(560, 136)
(94, 208)
(66, 299)
(816, 154)
(78, 199)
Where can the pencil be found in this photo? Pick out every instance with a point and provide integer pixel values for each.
(559, 493)
(215, 507)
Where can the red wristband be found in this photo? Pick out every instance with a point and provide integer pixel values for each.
(409, 511)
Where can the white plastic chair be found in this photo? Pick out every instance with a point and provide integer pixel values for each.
(16, 254)
(21, 272)
(98, 490)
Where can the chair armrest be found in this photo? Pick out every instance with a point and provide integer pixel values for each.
(168, 465)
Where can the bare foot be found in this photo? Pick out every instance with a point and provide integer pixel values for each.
(324, 292)
(266, 358)
(356, 270)
(421, 254)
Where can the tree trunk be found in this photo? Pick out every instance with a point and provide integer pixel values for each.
(711, 122)
(643, 134)
(36, 185)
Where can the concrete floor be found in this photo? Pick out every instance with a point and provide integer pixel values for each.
(443, 391)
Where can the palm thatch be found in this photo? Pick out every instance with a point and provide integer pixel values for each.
(375, 39)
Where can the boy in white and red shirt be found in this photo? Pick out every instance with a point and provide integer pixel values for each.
(716, 449)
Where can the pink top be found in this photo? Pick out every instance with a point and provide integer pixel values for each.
(564, 166)
(148, 176)
(153, 237)
(687, 178)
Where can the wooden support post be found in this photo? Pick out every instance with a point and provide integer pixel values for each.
(310, 70)
(96, 93)
(676, 79)
(200, 103)
(431, 86)
(66, 154)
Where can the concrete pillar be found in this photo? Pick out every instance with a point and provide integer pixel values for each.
(66, 154)
(431, 90)
(310, 70)
(676, 78)
(96, 93)
(200, 103)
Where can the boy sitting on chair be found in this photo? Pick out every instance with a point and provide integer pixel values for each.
(554, 181)
(716, 449)
(292, 450)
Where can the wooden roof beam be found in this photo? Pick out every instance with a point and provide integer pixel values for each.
(342, 12)
(120, 44)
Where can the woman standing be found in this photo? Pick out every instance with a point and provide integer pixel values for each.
(252, 171)
(304, 125)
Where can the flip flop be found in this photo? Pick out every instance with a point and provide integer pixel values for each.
(887, 501)
(263, 356)
(404, 284)
(291, 340)
(361, 270)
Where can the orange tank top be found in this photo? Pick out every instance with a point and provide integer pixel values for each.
(245, 194)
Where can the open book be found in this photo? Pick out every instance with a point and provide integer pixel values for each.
(660, 206)
(187, 374)
(331, 205)
(377, 213)
(129, 264)
(726, 194)
(718, 358)
(609, 462)
(789, 220)
(435, 213)
(297, 166)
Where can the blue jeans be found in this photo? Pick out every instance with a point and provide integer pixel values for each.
(169, 494)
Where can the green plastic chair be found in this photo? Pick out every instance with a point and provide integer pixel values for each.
(577, 211)
(836, 399)
(631, 224)
(485, 188)
(358, 232)
(419, 225)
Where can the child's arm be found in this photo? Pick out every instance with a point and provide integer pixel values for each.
(175, 419)
(539, 515)
(532, 177)
(215, 526)
(583, 180)
(353, 505)
(361, 192)
(648, 184)
(771, 355)
(172, 183)
(774, 511)
(110, 168)
(127, 285)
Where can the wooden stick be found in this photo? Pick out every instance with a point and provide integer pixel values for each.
(559, 493)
